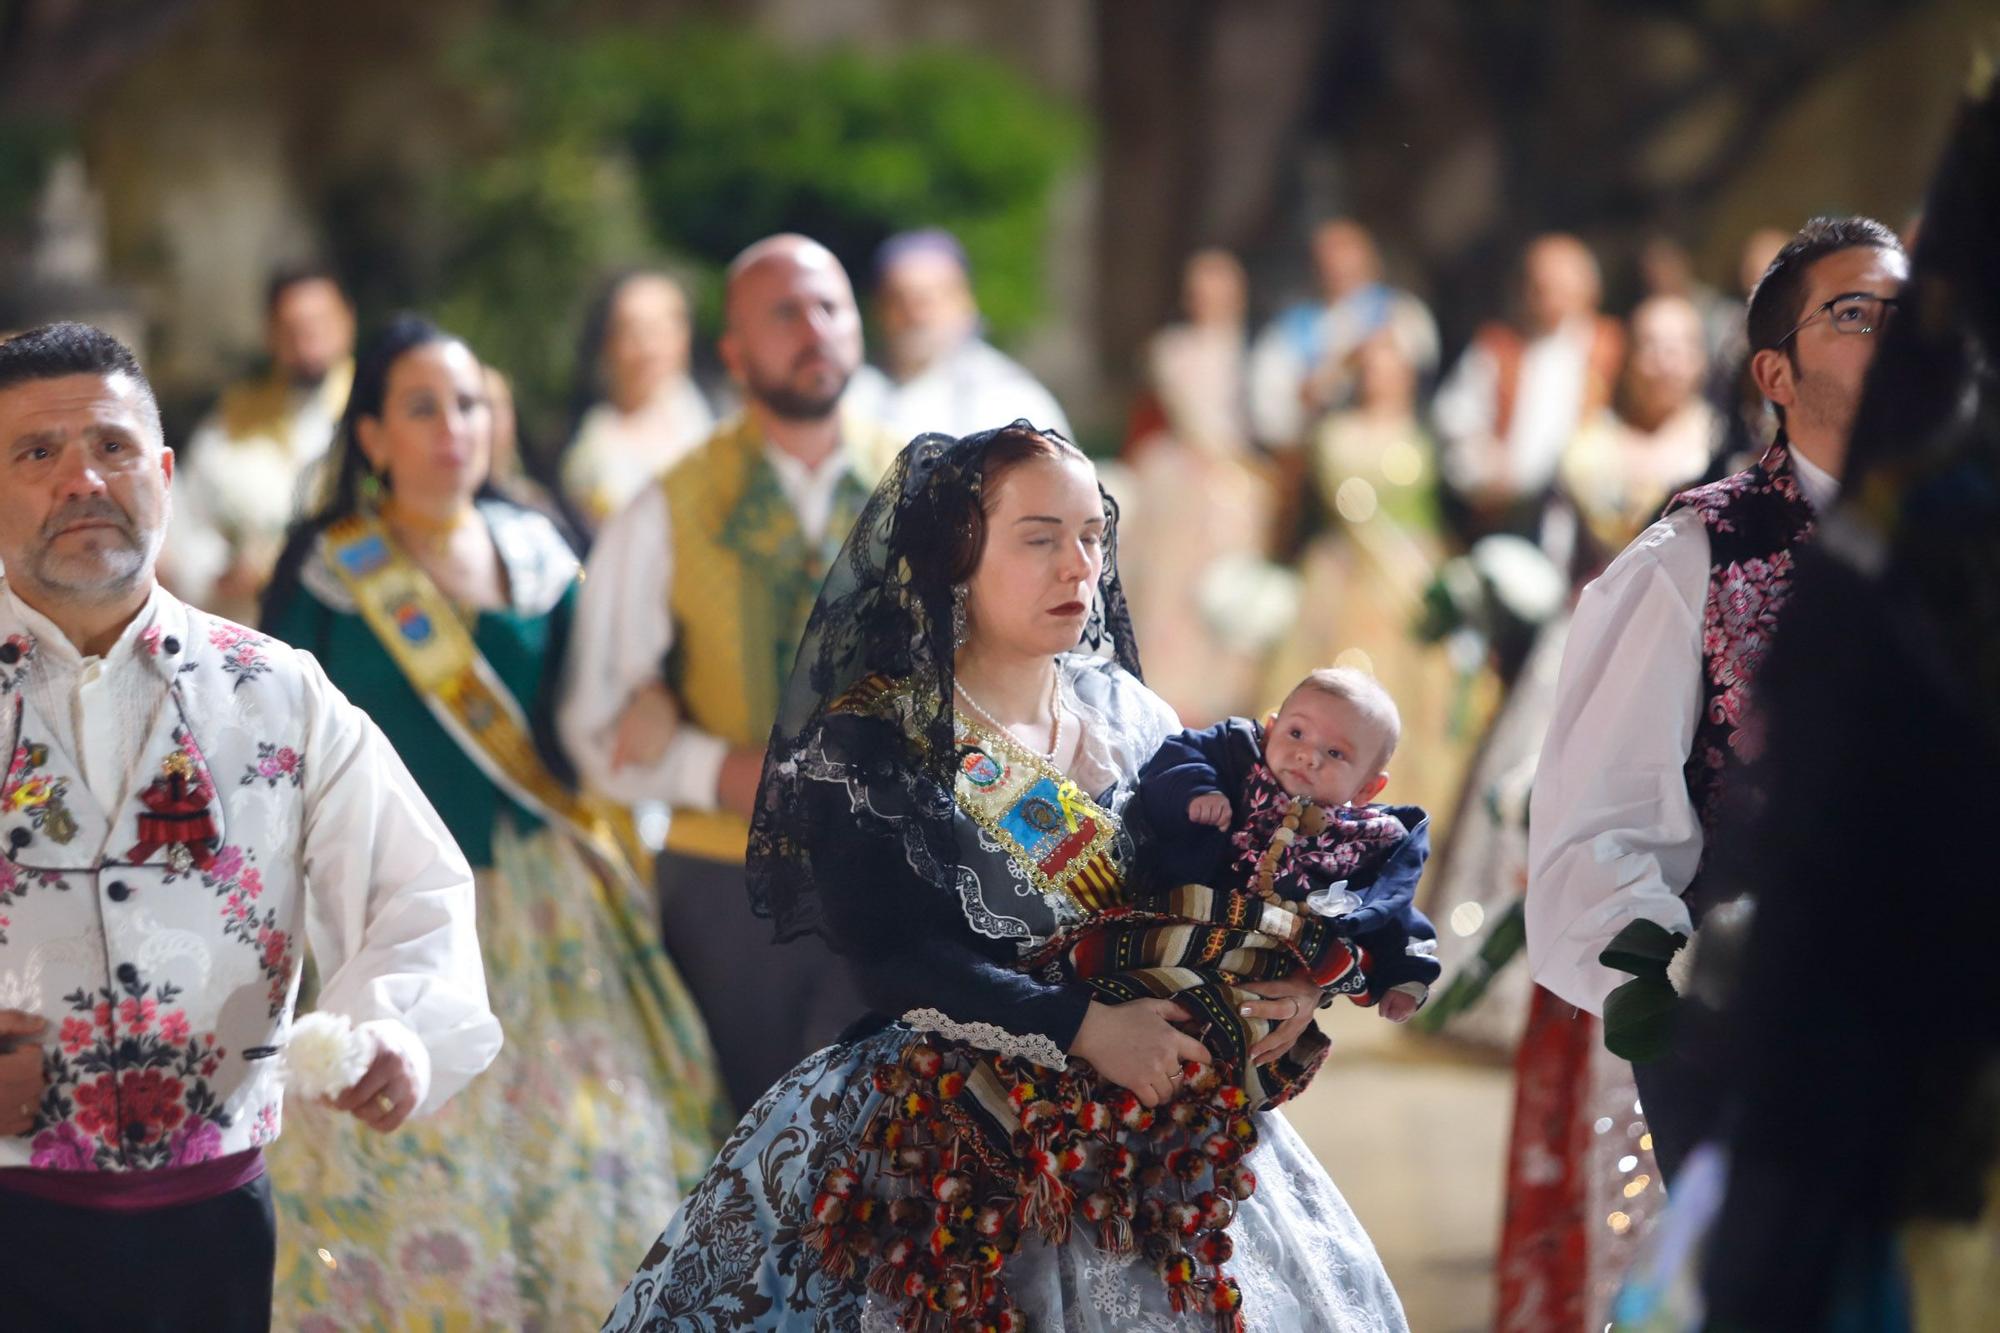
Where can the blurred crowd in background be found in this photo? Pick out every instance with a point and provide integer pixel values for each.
(1344, 449)
(1325, 487)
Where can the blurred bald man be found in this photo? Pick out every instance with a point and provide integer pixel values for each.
(1517, 396)
(692, 608)
(938, 374)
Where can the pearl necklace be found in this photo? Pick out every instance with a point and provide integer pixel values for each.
(1055, 712)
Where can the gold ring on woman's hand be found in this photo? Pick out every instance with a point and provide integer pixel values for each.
(385, 1102)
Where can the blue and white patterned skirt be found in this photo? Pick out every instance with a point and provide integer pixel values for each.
(734, 1257)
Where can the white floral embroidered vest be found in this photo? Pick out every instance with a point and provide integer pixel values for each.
(161, 941)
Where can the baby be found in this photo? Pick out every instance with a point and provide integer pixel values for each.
(1285, 811)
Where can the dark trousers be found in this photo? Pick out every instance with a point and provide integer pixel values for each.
(198, 1268)
(767, 1005)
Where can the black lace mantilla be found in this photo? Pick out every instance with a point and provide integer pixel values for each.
(886, 610)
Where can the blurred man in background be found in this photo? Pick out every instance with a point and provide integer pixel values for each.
(938, 374)
(696, 597)
(1514, 401)
(246, 462)
(1302, 364)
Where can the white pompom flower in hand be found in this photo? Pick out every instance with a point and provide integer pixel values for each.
(325, 1056)
(350, 1068)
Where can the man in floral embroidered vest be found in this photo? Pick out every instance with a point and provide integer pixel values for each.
(186, 806)
(693, 604)
(1653, 727)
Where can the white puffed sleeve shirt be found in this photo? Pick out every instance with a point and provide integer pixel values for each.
(388, 908)
(1612, 834)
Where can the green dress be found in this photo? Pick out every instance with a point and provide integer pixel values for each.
(527, 1200)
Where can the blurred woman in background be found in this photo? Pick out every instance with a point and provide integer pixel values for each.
(443, 609)
(1199, 501)
(1374, 472)
(1582, 1185)
(637, 408)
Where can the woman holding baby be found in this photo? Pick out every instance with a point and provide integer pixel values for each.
(1026, 1131)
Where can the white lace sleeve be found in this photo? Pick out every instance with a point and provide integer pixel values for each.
(1123, 721)
(1032, 1047)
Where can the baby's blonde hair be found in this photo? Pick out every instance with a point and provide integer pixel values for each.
(1357, 687)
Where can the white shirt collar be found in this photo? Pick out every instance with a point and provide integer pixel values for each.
(798, 472)
(1820, 487)
(50, 639)
(810, 489)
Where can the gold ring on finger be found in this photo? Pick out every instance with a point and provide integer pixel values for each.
(385, 1102)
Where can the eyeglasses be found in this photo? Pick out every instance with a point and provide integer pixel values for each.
(1851, 312)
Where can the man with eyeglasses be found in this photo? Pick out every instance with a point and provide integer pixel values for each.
(1652, 721)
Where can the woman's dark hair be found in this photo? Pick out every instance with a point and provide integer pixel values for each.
(405, 333)
(965, 510)
(587, 387)
(342, 497)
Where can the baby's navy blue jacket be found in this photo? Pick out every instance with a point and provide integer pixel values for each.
(1176, 850)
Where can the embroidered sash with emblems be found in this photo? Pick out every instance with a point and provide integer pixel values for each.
(418, 627)
(1193, 945)
(1060, 837)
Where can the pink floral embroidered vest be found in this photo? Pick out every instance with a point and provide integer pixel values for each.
(1757, 521)
(161, 940)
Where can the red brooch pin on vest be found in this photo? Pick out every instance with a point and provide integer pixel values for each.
(180, 813)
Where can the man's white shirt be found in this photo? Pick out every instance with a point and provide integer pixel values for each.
(1548, 407)
(974, 388)
(624, 630)
(1612, 834)
(344, 845)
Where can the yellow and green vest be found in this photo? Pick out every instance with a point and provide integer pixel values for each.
(745, 579)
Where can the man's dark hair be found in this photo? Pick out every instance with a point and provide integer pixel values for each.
(1779, 294)
(1777, 300)
(55, 351)
(288, 276)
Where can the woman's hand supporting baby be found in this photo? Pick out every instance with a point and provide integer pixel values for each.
(1288, 1002)
(1137, 1046)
